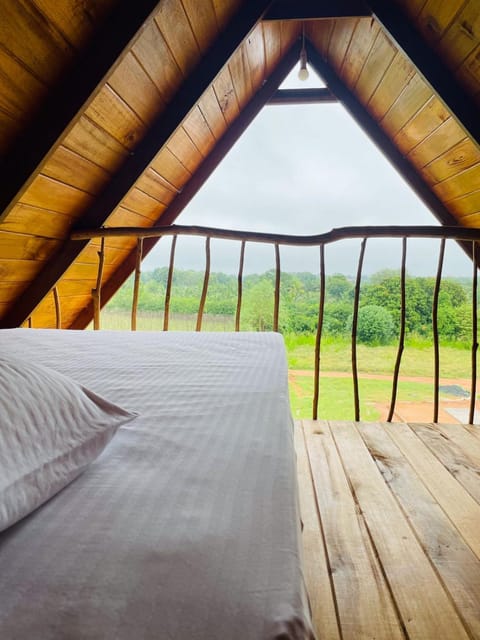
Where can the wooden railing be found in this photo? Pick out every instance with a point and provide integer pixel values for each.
(468, 237)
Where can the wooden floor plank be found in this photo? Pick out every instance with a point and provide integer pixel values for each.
(364, 603)
(461, 508)
(456, 564)
(453, 458)
(463, 438)
(317, 574)
(424, 606)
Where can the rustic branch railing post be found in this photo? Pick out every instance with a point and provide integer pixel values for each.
(240, 286)
(206, 278)
(473, 388)
(136, 283)
(96, 293)
(276, 306)
(436, 346)
(58, 311)
(356, 394)
(401, 339)
(168, 289)
(318, 336)
(29, 321)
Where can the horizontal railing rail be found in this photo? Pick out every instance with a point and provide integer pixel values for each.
(469, 237)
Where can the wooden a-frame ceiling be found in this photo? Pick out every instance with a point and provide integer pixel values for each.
(115, 112)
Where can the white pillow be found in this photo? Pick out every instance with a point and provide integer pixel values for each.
(51, 428)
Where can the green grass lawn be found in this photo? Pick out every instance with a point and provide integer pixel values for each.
(336, 397)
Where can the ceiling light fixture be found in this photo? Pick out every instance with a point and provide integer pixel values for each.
(303, 72)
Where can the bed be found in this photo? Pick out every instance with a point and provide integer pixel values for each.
(187, 525)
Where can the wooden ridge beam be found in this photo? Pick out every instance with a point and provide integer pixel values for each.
(302, 96)
(317, 10)
(429, 65)
(67, 98)
(207, 167)
(160, 131)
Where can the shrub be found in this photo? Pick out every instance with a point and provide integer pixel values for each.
(375, 325)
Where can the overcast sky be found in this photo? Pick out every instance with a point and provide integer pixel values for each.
(305, 170)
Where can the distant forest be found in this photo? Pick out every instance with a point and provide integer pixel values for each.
(379, 315)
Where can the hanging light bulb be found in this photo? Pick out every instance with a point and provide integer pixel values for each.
(303, 72)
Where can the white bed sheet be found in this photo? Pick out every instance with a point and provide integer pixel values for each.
(187, 525)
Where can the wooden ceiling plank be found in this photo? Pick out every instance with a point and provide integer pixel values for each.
(380, 138)
(375, 67)
(428, 63)
(462, 156)
(410, 101)
(160, 131)
(49, 223)
(17, 246)
(446, 136)
(205, 170)
(365, 34)
(425, 122)
(151, 47)
(19, 270)
(272, 44)
(469, 72)
(314, 10)
(226, 96)
(182, 147)
(140, 202)
(211, 111)
(93, 143)
(177, 32)
(256, 56)
(437, 16)
(131, 82)
(290, 30)
(69, 167)
(65, 100)
(123, 217)
(21, 90)
(460, 40)
(46, 193)
(169, 169)
(241, 84)
(465, 205)
(461, 184)
(116, 117)
(152, 183)
(397, 76)
(203, 21)
(75, 20)
(197, 128)
(340, 42)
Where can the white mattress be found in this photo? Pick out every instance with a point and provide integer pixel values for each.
(187, 525)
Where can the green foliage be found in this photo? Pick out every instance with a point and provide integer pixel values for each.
(375, 325)
(299, 301)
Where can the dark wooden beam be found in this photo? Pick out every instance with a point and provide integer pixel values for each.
(430, 66)
(363, 118)
(316, 9)
(65, 100)
(210, 163)
(302, 96)
(160, 131)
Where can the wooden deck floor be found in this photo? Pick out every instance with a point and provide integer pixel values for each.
(391, 516)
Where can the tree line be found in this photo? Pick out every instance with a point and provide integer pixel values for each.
(379, 310)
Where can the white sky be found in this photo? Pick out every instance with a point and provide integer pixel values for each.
(305, 170)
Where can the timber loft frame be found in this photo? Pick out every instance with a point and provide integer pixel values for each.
(63, 106)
